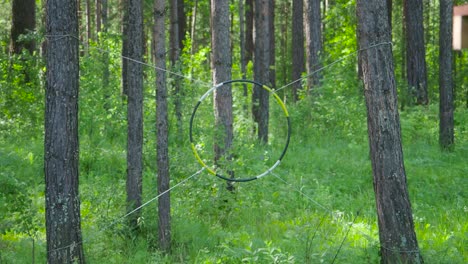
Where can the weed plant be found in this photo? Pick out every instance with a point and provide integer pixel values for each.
(316, 207)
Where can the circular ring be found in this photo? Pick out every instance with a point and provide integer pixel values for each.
(246, 179)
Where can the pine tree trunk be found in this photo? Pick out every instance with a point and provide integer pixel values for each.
(61, 145)
(221, 64)
(313, 28)
(260, 104)
(415, 52)
(134, 76)
(162, 126)
(174, 55)
(271, 29)
(297, 46)
(398, 242)
(446, 126)
(23, 20)
(249, 25)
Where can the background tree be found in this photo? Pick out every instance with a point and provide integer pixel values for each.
(162, 125)
(61, 145)
(446, 129)
(297, 45)
(249, 26)
(175, 48)
(272, 59)
(260, 105)
(416, 71)
(23, 21)
(134, 86)
(398, 243)
(313, 33)
(221, 63)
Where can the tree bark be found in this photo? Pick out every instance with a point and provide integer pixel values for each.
(249, 26)
(134, 76)
(174, 55)
(260, 105)
(272, 59)
(23, 20)
(221, 63)
(61, 145)
(446, 125)
(182, 23)
(416, 72)
(297, 45)
(398, 243)
(162, 126)
(313, 28)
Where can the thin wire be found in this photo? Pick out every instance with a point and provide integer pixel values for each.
(131, 212)
(331, 64)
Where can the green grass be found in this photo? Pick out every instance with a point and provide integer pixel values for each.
(328, 198)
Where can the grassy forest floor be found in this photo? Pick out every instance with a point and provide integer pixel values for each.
(316, 207)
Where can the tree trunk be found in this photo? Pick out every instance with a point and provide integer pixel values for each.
(162, 126)
(125, 42)
(313, 28)
(61, 145)
(221, 64)
(398, 242)
(89, 35)
(175, 54)
(271, 29)
(415, 52)
(297, 45)
(98, 16)
(182, 23)
(23, 20)
(260, 106)
(446, 131)
(134, 75)
(249, 26)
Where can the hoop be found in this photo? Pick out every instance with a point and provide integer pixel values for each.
(246, 179)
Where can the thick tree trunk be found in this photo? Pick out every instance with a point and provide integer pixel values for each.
(23, 20)
(398, 242)
(221, 64)
(415, 52)
(162, 125)
(446, 131)
(134, 75)
(182, 23)
(61, 145)
(313, 28)
(260, 106)
(297, 45)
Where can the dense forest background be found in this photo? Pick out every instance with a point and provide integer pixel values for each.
(317, 206)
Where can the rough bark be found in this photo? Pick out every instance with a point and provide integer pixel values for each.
(313, 33)
(297, 46)
(134, 76)
(272, 59)
(23, 20)
(398, 242)
(162, 125)
(221, 71)
(61, 145)
(446, 125)
(416, 72)
(182, 23)
(260, 106)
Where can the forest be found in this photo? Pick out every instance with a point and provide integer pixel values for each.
(224, 131)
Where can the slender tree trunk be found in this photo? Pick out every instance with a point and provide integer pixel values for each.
(249, 26)
(313, 28)
(61, 144)
(398, 243)
(415, 52)
(271, 29)
(446, 131)
(182, 23)
(89, 35)
(297, 45)
(98, 16)
(221, 64)
(162, 125)
(125, 43)
(23, 20)
(175, 54)
(260, 106)
(134, 75)
(243, 63)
